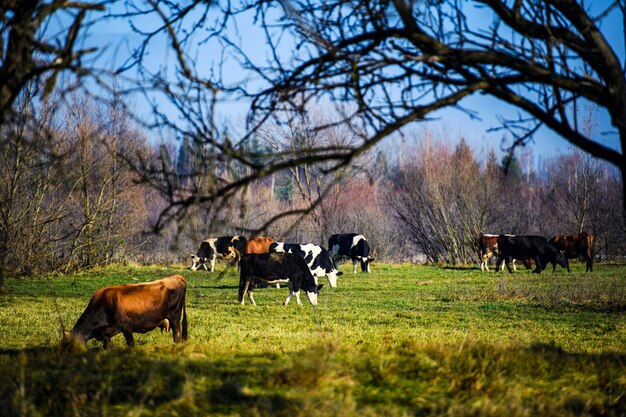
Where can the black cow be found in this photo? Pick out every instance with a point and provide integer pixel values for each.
(272, 268)
(536, 248)
(488, 247)
(224, 247)
(352, 246)
(318, 259)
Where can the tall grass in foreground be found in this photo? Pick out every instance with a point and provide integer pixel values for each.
(404, 340)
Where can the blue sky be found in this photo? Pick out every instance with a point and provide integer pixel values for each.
(454, 123)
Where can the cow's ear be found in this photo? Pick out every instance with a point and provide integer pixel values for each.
(339, 273)
(192, 255)
(372, 259)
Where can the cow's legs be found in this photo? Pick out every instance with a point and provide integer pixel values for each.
(290, 284)
(513, 262)
(106, 342)
(288, 297)
(483, 263)
(502, 264)
(291, 294)
(130, 341)
(243, 289)
(177, 331)
(589, 265)
(251, 297)
(354, 266)
(213, 262)
(509, 260)
(538, 265)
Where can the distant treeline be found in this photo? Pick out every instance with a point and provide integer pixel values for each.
(77, 190)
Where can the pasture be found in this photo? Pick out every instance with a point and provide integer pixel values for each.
(403, 340)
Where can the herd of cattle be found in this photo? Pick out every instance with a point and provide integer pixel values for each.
(508, 248)
(263, 260)
(139, 308)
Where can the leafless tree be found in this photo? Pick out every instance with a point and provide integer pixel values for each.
(67, 199)
(105, 206)
(574, 182)
(39, 40)
(437, 200)
(384, 65)
(28, 182)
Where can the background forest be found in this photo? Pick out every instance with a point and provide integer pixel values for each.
(72, 195)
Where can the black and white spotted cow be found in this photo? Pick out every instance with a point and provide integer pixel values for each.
(272, 268)
(352, 246)
(316, 257)
(224, 247)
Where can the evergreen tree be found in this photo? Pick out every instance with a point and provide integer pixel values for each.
(184, 162)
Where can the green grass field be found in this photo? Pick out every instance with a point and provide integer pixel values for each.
(403, 340)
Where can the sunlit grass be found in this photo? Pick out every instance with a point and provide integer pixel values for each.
(404, 339)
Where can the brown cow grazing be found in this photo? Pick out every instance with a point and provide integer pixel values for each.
(134, 308)
(574, 246)
(258, 245)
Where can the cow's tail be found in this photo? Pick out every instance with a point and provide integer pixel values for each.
(590, 252)
(184, 323)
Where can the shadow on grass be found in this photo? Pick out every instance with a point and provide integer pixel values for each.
(214, 287)
(34, 351)
(168, 382)
(609, 264)
(94, 381)
(460, 268)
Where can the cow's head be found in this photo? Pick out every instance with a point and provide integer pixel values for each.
(332, 277)
(561, 259)
(277, 247)
(312, 296)
(232, 253)
(198, 262)
(72, 342)
(365, 262)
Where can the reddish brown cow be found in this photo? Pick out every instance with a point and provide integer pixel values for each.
(574, 246)
(134, 308)
(258, 245)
